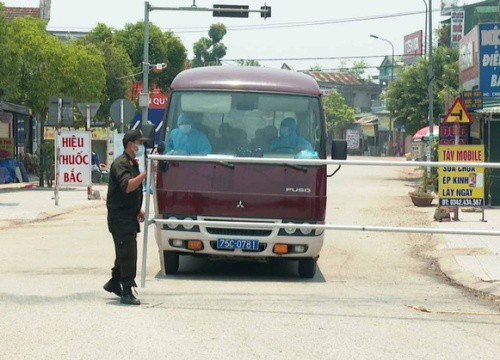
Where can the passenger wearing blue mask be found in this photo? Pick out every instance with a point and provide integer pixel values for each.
(186, 139)
(288, 140)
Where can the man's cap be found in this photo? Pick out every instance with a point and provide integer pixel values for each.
(133, 135)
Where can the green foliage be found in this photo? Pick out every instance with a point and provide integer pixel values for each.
(10, 60)
(356, 68)
(338, 114)
(407, 96)
(163, 48)
(316, 67)
(209, 51)
(242, 62)
(117, 65)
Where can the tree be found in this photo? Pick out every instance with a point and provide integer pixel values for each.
(357, 68)
(117, 65)
(209, 51)
(407, 96)
(243, 62)
(316, 67)
(9, 63)
(163, 48)
(338, 114)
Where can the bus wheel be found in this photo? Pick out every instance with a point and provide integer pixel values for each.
(307, 268)
(171, 259)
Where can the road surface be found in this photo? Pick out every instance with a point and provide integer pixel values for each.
(359, 305)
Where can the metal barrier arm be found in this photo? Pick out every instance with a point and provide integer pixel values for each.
(263, 225)
(146, 223)
(317, 162)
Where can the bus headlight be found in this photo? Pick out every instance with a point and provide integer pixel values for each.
(289, 230)
(170, 225)
(305, 231)
(188, 226)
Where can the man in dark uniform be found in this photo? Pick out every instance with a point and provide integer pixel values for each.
(124, 203)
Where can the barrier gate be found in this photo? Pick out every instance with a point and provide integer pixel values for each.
(234, 224)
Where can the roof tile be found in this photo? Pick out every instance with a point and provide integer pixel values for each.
(16, 12)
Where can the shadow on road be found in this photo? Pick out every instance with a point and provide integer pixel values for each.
(203, 269)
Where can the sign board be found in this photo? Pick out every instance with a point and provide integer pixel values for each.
(473, 100)
(468, 60)
(6, 148)
(457, 113)
(115, 111)
(447, 134)
(489, 60)
(456, 27)
(74, 158)
(412, 47)
(92, 106)
(66, 111)
(228, 13)
(459, 185)
(352, 137)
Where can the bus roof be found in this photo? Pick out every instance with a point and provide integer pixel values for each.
(246, 78)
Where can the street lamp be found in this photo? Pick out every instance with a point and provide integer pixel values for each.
(392, 79)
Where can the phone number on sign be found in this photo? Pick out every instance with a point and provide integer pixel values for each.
(461, 202)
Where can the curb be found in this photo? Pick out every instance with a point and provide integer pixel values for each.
(452, 270)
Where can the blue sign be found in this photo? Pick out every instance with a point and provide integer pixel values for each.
(473, 100)
(489, 60)
(155, 117)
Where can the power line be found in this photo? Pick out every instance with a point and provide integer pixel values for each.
(316, 58)
(203, 29)
(309, 23)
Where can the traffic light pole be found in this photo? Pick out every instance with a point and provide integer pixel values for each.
(265, 12)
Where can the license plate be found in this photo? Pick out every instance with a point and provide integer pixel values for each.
(238, 244)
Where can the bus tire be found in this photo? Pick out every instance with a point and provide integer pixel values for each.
(307, 268)
(171, 259)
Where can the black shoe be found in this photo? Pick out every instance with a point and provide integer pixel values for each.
(113, 286)
(128, 298)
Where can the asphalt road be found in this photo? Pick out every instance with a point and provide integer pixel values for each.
(52, 304)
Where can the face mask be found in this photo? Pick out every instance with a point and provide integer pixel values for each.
(140, 150)
(185, 129)
(285, 131)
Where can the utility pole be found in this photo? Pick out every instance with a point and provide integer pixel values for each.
(431, 82)
(145, 66)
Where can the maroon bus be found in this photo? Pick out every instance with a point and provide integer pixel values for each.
(235, 112)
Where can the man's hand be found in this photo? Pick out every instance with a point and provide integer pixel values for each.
(141, 216)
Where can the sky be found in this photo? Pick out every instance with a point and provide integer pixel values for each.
(334, 39)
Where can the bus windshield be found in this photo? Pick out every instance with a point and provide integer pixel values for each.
(244, 124)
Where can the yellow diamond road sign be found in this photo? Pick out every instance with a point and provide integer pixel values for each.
(458, 113)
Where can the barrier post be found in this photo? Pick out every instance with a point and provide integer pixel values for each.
(146, 223)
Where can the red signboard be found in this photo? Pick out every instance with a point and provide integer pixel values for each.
(412, 46)
(468, 60)
(157, 99)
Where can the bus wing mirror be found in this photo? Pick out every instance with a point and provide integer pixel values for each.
(339, 149)
(149, 131)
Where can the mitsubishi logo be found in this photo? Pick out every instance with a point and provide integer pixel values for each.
(240, 205)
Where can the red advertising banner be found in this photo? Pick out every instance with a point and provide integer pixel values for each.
(413, 46)
(157, 99)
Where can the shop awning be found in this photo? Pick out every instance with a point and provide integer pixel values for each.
(14, 108)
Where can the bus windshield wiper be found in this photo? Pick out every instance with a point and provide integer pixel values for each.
(226, 164)
(297, 167)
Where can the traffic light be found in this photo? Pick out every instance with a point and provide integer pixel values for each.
(266, 14)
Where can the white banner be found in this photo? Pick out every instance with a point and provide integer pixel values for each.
(457, 27)
(352, 137)
(74, 158)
